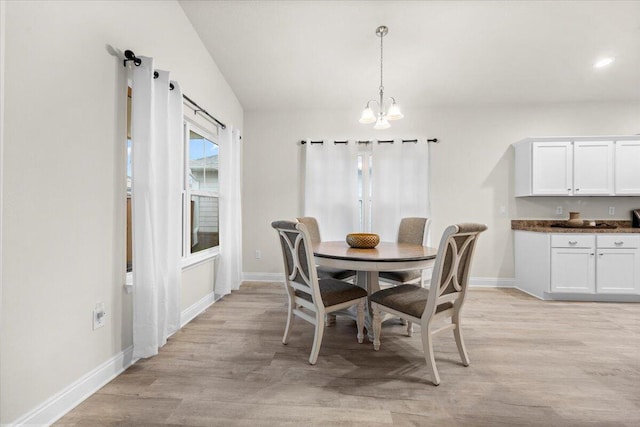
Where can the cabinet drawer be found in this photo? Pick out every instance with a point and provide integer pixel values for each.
(618, 241)
(573, 240)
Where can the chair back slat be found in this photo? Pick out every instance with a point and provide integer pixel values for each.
(451, 271)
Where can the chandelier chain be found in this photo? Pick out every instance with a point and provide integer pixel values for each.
(381, 53)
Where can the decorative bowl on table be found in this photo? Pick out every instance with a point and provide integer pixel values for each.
(363, 240)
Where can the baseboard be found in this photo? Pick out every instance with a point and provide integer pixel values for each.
(263, 277)
(555, 296)
(191, 312)
(491, 282)
(474, 282)
(58, 405)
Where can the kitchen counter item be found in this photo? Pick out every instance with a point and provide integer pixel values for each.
(574, 220)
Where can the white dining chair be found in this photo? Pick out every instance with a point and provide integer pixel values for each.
(311, 298)
(443, 300)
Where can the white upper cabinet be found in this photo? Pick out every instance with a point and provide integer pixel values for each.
(627, 167)
(552, 168)
(577, 166)
(593, 168)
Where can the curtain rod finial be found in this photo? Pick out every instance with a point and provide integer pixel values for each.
(130, 56)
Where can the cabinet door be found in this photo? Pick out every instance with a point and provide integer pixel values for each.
(551, 169)
(573, 270)
(593, 168)
(617, 271)
(627, 154)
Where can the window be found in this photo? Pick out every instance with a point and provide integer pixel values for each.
(201, 187)
(365, 168)
(371, 186)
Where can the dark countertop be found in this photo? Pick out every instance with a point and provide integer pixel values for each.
(545, 226)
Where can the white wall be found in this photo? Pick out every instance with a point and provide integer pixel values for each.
(64, 181)
(472, 169)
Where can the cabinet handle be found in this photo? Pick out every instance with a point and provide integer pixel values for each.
(592, 254)
(601, 254)
(577, 189)
(568, 189)
(573, 242)
(619, 243)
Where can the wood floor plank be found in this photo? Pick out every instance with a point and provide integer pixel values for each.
(533, 363)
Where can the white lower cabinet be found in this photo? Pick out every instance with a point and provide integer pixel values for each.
(618, 264)
(594, 266)
(573, 270)
(573, 263)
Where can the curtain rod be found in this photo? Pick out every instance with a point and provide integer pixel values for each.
(203, 111)
(130, 56)
(380, 141)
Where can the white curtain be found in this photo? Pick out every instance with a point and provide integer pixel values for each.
(400, 180)
(156, 139)
(331, 188)
(229, 268)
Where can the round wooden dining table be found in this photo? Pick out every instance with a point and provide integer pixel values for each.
(387, 256)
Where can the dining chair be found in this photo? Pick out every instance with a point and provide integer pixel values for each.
(324, 272)
(412, 230)
(311, 298)
(442, 300)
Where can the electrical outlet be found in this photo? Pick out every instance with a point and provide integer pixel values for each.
(612, 210)
(559, 210)
(99, 316)
(258, 254)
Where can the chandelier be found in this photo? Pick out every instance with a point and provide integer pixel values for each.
(384, 114)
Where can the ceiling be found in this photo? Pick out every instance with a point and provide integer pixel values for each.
(287, 55)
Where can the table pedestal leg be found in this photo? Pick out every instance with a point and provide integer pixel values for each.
(368, 280)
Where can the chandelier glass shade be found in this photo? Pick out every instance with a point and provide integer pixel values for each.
(388, 109)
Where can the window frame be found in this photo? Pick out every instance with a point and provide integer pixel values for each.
(188, 258)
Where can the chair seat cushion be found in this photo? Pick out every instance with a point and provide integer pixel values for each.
(409, 299)
(335, 292)
(401, 276)
(334, 273)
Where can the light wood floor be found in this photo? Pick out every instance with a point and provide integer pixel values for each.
(533, 363)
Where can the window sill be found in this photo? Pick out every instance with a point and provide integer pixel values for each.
(200, 257)
(187, 263)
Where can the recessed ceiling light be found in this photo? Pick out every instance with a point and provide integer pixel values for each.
(601, 63)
